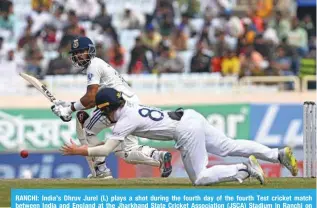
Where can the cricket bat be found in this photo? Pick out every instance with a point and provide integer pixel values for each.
(39, 86)
(42, 88)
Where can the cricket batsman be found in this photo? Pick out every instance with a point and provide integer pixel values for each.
(193, 135)
(99, 75)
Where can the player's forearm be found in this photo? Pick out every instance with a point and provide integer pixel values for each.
(86, 102)
(103, 150)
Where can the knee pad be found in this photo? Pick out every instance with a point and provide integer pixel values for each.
(146, 150)
(139, 155)
(89, 139)
(81, 117)
(83, 135)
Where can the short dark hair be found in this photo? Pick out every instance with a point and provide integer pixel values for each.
(61, 8)
(72, 12)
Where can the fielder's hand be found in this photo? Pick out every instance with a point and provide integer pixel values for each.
(65, 113)
(73, 149)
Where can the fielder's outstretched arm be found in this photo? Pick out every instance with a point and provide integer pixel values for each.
(105, 149)
(101, 150)
(122, 129)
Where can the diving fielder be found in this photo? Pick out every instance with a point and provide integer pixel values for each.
(194, 138)
(99, 75)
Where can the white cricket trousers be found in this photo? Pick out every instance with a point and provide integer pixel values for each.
(195, 138)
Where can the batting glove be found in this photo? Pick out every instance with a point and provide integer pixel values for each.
(65, 113)
(62, 103)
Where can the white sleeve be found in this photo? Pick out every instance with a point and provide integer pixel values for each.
(105, 149)
(93, 75)
(123, 128)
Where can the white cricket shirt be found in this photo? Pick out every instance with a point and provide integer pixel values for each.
(101, 73)
(143, 121)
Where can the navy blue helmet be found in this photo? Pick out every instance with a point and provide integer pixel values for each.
(82, 51)
(108, 100)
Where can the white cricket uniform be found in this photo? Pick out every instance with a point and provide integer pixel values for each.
(194, 138)
(102, 74)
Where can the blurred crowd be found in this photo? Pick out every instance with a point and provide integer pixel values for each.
(267, 38)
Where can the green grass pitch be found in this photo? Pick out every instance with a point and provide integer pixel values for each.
(179, 183)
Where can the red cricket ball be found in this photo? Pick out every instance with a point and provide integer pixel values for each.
(24, 153)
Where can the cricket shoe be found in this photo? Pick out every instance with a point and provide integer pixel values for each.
(166, 164)
(253, 169)
(102, 175)
(288, 160)
(102, 172)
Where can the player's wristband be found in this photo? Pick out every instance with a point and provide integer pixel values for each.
(78, 106)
